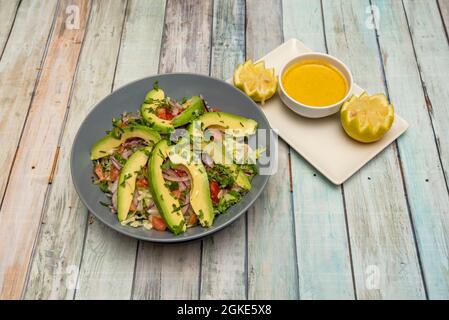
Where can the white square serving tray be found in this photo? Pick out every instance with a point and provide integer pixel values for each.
(322, 142)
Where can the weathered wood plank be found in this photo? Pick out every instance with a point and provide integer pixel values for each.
(8, 10)
(271, 241)
(38, 147)
(324, 263)
(57, 258)
(224, 254)
(18, 73)
(444, 9)
(108, 260)
(172, 272)
(383, 250)
(423, 160)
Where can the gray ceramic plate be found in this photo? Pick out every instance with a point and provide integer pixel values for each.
(129, 98)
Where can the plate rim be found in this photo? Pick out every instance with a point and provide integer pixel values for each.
(180, 238)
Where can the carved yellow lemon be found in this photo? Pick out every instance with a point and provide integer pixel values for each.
(258, 82)
(367, 118)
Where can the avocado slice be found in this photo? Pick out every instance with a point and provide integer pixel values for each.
(242, 126)
(106, 145)
(127, 181)
(193, 108)
(153, 100)
(169, 207)
(200, 198)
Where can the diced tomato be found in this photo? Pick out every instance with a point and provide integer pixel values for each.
(164, 113)
(176, 193)
(114, 173)
(214, 191)
(142, 183)
(158, 223)
(121, 149)
(99, 172)
(193, 219)
(132, 207)
(180, 172)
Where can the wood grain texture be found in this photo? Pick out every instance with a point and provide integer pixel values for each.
(55, 268)
(324, 263)
(18, 73)
(223, 267)
(424, 155)
(444, 9)
(271, 242)
(109, 258)
(384, 256)
(8, 10)
(172, 272)
(34, 160)
(19, 70)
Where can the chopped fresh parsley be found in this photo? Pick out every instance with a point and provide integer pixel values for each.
(222, 174)
(172, 185)
(249, 168)
(229, 199)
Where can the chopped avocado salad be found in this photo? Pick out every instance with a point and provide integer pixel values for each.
(175, 164)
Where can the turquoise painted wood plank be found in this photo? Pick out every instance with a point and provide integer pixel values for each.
(223, 270)
(172, 272)
(56, 264)
(109, 258)
(383, 251)
(324, 262)
(272, 266)
(422, 158)
(8, 10)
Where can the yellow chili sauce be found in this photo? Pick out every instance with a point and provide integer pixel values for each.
(314, 83)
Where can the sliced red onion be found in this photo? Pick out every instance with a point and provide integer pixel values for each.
(113, 186)
(175, 178)
(132, 142)
(207, 160)
(151, 206)
(220, 194)
(187, 206)
(114, 200)
(116, 164)
(182, 186)
(216, 133)
(208, 109)
(135, 198)
(126, 154)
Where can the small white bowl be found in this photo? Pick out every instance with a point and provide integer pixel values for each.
(311, 111)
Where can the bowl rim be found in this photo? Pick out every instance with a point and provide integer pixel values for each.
(321, 55)
(175, 239)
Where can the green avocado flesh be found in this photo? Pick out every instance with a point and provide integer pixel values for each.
(241, 126)
(127, 181)
(106, 145)
(154, 99)
(193, 108)
(200, 198)
(169, 207)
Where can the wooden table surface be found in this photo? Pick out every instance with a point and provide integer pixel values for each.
(384, 234)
